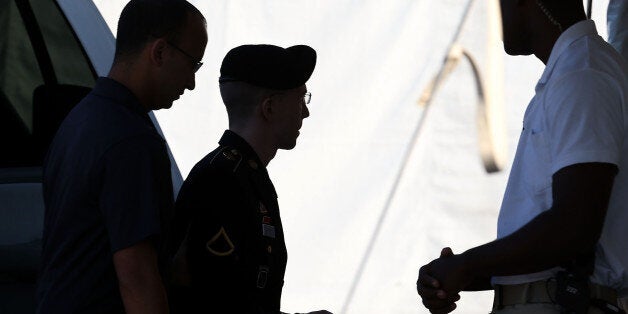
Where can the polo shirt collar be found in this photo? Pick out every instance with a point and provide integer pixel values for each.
(109, 88)
(568, 37)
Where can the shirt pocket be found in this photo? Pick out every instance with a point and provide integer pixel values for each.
(537, 166)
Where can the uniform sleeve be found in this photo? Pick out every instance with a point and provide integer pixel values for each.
(585, 119)
(218, 246)
(217, 234)
(136, 190)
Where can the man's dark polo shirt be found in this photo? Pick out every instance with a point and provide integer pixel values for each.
(107, 186)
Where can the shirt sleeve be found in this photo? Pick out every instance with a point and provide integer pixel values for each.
(136, 190)
(585, 119)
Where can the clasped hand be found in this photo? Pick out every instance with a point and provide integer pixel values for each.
(441, 281)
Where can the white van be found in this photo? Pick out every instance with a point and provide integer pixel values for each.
(51, 52)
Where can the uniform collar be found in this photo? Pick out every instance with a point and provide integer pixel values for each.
(232, 139)
(568, 37)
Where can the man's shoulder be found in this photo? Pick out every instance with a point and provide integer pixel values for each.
(104, 115)
(217, 182)
(100, 122)
(591, 56)
(223, 162)
(225, 175)
(96, 131)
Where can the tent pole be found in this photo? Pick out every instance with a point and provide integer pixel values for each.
(371, 244)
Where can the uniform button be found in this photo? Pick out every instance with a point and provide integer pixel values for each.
(253, 164)
(270, 249)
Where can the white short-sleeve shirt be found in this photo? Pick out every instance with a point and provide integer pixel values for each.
(579, 114)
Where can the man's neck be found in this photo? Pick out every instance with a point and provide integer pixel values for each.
(543, 47)
(547, 38)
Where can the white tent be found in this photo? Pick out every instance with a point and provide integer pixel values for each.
(343, 213)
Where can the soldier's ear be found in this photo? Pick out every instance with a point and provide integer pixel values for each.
(267, 108)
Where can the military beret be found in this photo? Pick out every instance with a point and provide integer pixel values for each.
(269, 66)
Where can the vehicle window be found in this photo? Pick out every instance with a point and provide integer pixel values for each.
(70, 63)
(38, 51)
(19, 72)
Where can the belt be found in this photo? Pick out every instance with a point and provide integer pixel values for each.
(543, 291)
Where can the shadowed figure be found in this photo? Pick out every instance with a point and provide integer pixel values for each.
(561, 226)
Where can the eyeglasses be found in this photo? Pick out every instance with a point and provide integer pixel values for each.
(197, 64)
(307, 97)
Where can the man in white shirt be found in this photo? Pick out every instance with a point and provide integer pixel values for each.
(561, 231)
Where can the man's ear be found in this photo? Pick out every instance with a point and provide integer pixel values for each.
(157, 50)
(267, 108)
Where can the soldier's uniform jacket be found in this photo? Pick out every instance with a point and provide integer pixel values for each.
(234, 246)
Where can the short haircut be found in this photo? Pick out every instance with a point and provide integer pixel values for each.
(141, 21)
(240, 99)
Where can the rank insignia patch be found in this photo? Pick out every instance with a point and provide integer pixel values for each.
(220, 244)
